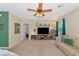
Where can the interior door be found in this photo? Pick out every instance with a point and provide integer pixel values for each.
(26, 31)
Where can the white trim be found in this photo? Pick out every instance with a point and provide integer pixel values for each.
(4, 47)
(23, 31)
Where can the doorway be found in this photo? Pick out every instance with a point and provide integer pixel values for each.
(26, 31)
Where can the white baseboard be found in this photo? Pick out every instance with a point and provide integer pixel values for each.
(4, 47)
(14, 44)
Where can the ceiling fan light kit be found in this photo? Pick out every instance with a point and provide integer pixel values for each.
(40, 11)
(39, 14)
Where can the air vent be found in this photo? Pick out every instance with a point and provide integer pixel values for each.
(61, 5)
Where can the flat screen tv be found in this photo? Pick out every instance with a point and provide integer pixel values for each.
(43, 30)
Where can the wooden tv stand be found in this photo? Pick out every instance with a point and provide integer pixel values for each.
(40, 37)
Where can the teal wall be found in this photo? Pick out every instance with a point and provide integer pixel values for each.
(4, 19)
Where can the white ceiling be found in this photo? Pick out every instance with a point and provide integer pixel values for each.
(19, 9)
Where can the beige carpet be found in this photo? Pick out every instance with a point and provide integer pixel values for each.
(36, 48)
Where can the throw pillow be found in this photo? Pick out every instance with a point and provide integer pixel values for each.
(68, 41)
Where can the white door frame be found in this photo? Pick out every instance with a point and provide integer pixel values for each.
(24, 31)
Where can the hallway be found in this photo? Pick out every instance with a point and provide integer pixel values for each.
(36, 48)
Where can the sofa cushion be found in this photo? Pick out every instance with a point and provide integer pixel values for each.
(76, 43)
(76, 52)
(68, 41)
(68, 49)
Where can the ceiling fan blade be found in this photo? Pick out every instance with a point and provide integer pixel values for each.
(32, 10)
(40, 6)
(47, 10)
(35, 14)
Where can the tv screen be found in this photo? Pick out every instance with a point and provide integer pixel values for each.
(43, 30)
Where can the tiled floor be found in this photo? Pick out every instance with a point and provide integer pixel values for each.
(37, 48)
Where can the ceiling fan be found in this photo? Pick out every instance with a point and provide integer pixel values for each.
(40, 11)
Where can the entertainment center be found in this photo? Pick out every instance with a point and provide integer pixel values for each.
(41, 29)
(42, 34)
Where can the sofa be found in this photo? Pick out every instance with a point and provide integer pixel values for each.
(67, 49)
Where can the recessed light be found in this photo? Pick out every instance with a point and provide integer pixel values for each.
(61, 5)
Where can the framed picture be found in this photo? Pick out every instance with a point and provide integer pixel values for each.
(36, 24)
(17, 28)
(34, 30)
(40, 24)
(48, 24)
(45, 24)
